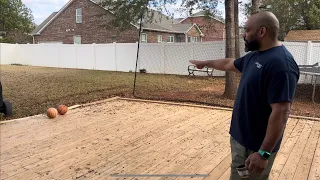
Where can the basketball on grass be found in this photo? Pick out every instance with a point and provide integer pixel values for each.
(52, 113)
(62, 109)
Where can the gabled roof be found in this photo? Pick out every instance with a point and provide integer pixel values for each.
(161, 22)
(37, 29)
(49, 20)
(303, 35)
(201, 14)
(158, 22)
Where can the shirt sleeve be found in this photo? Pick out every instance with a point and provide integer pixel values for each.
(238, 63)
(281, 87)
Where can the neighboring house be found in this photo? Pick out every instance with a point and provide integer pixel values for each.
(212, 28)
(82, 22)
(164, 29)
(303, 36)
(85, 22)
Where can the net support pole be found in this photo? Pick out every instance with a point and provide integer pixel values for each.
(135, 72)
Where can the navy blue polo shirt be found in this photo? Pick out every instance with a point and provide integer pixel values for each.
(268, 77)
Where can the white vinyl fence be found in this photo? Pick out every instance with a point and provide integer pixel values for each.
(162, 58)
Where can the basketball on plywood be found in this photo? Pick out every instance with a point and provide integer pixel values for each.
(52, 113)
(62, 109)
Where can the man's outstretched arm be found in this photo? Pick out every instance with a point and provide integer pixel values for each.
(226, 64)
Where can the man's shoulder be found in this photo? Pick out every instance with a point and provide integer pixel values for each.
(249, 54)
(281, 60)
(280, 57)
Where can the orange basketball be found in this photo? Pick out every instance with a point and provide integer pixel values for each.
(62, 109)
(52, 113)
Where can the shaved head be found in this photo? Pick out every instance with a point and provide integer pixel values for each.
(261, 31)
(265, 19)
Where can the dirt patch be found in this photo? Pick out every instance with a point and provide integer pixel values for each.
(34, 89)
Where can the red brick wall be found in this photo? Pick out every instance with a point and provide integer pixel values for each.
(152, 36)
(213, 30)
(93, 28)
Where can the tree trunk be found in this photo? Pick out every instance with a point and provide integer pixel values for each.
(231, 83)
(236, 26)
(255, 6)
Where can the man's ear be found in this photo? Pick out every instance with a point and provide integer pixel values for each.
(263, 31)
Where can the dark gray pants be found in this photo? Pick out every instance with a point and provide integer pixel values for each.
(239, 156)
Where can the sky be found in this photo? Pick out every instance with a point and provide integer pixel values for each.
(41, 9)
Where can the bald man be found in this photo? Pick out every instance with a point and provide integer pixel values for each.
(265, 94)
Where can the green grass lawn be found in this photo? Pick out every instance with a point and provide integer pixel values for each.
(34, 89)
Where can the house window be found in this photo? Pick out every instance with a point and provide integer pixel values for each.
(159, 38)
(192, 39)
(77, 39)
(79, 15)
(170, 39)
(144, 38)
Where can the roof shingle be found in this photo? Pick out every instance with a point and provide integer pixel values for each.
(303, 35)
(37, 29)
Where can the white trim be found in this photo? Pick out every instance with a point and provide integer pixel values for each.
(201, 16)
(169, 36)
(193, 38)
(75, 36)
(79, 15)
(159, 36)
(146, 41)
(201, 33)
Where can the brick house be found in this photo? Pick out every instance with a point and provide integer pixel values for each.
(212, 28)
(85, 22)
(164, 29)
(81, 21)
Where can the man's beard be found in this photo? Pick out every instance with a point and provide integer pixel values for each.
(251, 45)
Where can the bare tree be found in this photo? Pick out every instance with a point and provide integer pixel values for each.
(231, 83)
(255, 6)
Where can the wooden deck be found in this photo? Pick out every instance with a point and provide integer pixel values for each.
(139, 139)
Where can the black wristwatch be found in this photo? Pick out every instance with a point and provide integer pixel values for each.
(264, 154)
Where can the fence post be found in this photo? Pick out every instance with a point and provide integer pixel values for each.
(59, 56)
(115, 55)
(192, 51)
(309, 53)
(164, 57)
(76, 53)
(94, 56)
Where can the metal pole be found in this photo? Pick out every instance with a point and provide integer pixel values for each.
(135, 72)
